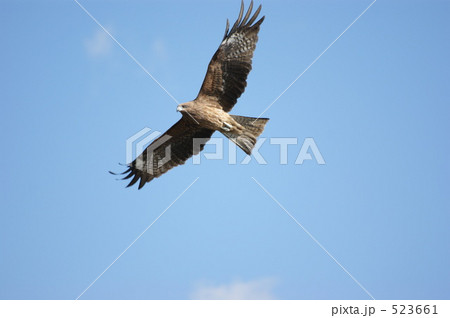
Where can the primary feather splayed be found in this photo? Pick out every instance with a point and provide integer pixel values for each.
(224, 83)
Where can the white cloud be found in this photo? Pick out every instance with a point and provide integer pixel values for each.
(160, 49)
(99, 44)
(256, 289)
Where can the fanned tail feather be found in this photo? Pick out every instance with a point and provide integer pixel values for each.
(253, 128)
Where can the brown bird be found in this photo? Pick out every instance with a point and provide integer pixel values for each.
(224, 83)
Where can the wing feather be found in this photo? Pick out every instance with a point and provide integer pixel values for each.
(236, 24)
(171, 149)
(226, 78)
(250, 8)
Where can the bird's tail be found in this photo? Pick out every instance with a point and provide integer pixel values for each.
(253, 128)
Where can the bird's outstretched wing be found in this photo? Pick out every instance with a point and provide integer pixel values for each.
(226, 78)
(173, 148)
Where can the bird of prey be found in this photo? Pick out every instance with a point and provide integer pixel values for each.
(224, 83)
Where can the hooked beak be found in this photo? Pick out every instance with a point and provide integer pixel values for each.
(179, 108)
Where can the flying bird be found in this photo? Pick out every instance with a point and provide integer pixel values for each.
(224, 83)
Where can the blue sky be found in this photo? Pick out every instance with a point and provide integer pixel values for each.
(376, 104)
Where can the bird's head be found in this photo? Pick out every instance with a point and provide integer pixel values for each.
(182, 108)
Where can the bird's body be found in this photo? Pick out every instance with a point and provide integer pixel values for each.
(211, 117)
(224, 83)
